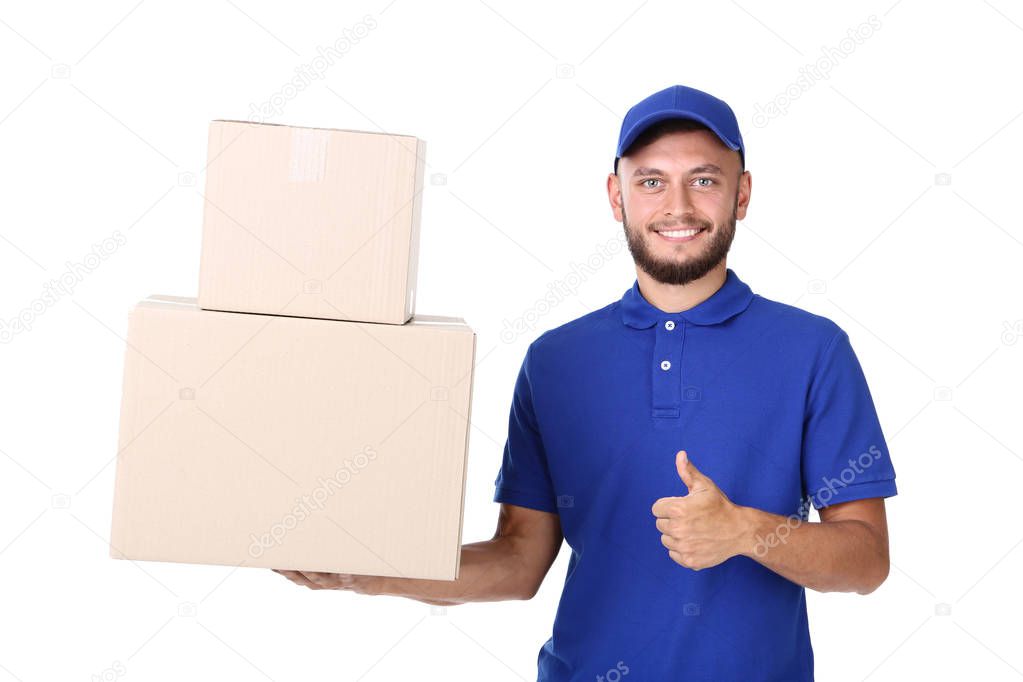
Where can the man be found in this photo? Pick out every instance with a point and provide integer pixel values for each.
(675, 439)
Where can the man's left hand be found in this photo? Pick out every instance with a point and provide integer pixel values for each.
(703, 528)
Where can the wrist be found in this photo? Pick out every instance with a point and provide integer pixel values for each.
(749, 523)
(763, 531)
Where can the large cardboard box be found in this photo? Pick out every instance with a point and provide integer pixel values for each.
(293, 443)
(311, 222)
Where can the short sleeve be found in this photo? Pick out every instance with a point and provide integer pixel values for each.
(524, 479)
(844, 456)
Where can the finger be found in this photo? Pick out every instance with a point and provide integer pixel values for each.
(682, 466)
(324, 580)
(664, 507)
(333, 581)
(690, 475)
(299, 579)
(290, 575)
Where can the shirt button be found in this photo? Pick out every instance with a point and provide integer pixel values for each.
(669, 325)
(665, 365)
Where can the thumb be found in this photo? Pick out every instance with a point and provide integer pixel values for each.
(688, 472)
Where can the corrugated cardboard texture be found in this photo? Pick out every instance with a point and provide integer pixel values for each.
(293, 443)
(311, 222)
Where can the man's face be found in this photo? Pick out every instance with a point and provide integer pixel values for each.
(679, 198)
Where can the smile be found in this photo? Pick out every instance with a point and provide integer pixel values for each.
(680, 235)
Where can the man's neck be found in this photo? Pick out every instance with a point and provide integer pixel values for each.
(676, 298)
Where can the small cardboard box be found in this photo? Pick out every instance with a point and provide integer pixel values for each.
(311, 222)
(293, 443)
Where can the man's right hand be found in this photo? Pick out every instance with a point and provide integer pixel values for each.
(511, 565)
(317, 580)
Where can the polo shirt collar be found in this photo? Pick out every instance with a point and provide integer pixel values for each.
(732, 298)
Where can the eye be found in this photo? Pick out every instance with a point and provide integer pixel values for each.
(709, 180)
(644, 182)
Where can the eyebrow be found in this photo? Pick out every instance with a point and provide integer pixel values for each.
(705, 168)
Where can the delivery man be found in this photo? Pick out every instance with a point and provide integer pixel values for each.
(675, 439)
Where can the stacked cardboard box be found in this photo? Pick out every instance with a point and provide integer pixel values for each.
(299, 414)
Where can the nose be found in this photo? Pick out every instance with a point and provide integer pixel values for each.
(678, 202)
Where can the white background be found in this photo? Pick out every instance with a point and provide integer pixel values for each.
(103, 116)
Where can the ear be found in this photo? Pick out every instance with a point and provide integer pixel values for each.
(614, 195)
(743, 192)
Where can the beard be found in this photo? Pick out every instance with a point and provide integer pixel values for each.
(681, 271)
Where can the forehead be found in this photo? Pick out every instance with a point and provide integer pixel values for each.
(682, 149)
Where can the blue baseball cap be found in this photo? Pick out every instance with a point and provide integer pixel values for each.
(680, 101)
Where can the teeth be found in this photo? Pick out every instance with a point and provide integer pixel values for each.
(679, 233)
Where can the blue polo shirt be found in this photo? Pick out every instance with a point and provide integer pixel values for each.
(768, 400)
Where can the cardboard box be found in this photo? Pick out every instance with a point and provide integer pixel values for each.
(293, 443)
(311, 222)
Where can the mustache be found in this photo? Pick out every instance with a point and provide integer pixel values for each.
(691, 222)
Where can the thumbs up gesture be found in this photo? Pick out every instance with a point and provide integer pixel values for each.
(702, 528)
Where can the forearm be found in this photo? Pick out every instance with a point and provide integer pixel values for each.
(492, 570)
(837, 556)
